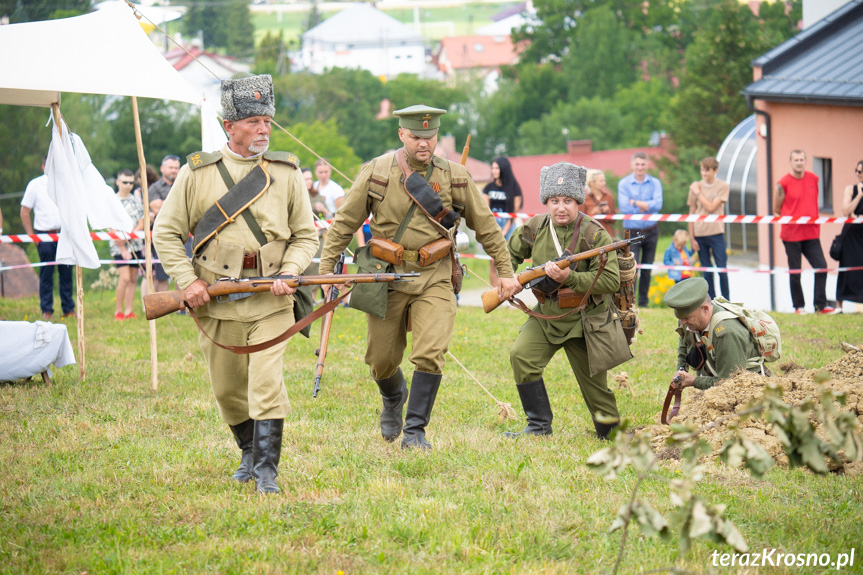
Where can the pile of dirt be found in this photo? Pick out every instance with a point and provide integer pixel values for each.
(700, 408)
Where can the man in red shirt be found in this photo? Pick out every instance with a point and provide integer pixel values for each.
(797, 196)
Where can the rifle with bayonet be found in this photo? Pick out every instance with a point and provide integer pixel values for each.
(326, 324)
(532, 276)
(160, 304)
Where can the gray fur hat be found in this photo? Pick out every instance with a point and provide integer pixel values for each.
(245, 95)
(562, 179)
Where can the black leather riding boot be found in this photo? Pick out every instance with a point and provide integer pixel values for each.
(423, 392)
(537, 408)
(394, 393)
(244, 434)
(603, 430)
(267, 449)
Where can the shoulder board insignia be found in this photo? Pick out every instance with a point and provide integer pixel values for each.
(441, 163)
(719, 331)
(282, 157)
(201, 159)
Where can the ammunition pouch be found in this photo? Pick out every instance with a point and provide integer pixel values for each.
(386, 250)
(433, 252)
(395, 253)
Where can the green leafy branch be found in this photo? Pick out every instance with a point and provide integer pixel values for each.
(793, 425)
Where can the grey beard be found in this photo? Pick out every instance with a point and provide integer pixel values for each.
(259, 149)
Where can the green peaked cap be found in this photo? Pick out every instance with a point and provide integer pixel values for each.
(421, 120)
(685, 297)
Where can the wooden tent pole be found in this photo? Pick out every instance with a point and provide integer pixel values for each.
(79, 280)
(154, 355)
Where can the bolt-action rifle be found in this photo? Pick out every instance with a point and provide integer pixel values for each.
(532, 276)
(326, 324)
(228, 289)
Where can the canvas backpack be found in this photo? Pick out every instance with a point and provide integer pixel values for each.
(763, 330)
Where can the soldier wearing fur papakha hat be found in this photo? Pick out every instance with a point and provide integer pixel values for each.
(406, 239)
(545, 238)
(279, 237)
(712, 340)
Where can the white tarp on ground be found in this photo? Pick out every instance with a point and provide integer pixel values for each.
(105, 52)
(30, 348)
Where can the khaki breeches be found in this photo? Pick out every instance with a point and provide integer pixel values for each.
(432, 317)
(249, 386)
(532, 351)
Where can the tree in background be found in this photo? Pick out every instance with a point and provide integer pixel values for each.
(325, 139)
(33, 10)
(314, 17)
(271, 55)
(226, 25)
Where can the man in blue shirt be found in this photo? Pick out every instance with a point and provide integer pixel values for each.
(641, 193)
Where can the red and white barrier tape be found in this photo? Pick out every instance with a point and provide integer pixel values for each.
(730, 219)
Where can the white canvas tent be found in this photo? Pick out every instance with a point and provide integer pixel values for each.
(104, 52)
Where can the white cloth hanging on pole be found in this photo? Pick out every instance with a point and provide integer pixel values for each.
(81, 194)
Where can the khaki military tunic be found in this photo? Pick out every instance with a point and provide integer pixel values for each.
(539, 339)
(732, 348)
(428, 299)
(245, 386)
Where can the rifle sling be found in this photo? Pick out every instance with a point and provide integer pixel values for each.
(235, 202)
(517, 303)
(673, 392)
(295, 328)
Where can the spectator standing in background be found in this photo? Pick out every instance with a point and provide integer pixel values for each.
(46, 220)
(708, 198)
(849, 285)
(797, 196)
(598, 200)
(127, 249)
(157, 194)
(503, 195)
(641, 193)
(333, 193)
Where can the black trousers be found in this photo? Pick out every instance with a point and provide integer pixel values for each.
(811, 250)
(644, 252)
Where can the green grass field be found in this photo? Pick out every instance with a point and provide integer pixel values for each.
(108, 476)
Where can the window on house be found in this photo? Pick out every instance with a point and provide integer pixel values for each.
(823, 168)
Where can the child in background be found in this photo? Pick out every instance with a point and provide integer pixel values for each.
(678, 254)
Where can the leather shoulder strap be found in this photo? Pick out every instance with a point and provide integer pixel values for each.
(426, 198)
(238, 198)
(201, 159)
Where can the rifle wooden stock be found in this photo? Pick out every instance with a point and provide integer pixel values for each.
(491, 300)
(161, 304)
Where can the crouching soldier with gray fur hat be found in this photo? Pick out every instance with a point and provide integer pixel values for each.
(556, 321)
(249, 211)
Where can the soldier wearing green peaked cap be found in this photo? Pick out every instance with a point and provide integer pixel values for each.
(427, 304)
(712, 340)
(422, 121)
(279, 237)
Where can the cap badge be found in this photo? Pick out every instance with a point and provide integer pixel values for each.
(559, 181)
(426, 119)
(257, 95)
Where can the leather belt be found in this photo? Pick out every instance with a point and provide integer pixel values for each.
(250, 261)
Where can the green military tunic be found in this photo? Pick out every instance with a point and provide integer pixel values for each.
(245, 386)
(539, 339)
(732, 348)
(429, 298)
